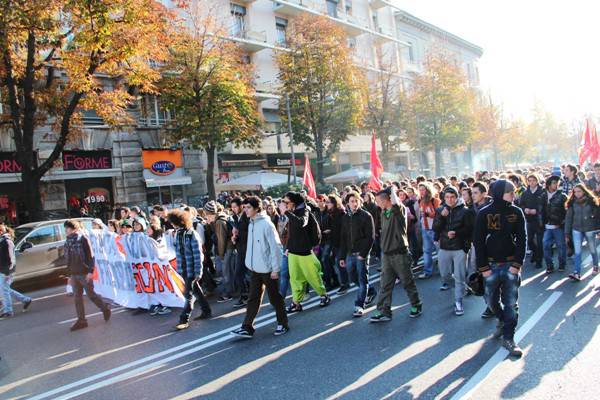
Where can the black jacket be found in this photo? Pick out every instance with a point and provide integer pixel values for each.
(298, 231)
(358, 233)
(554, 211)
(535, 201)
(459, 220)
(241, 222)
(499, 232)
(334, 222)
(375, 212)
(7, 255)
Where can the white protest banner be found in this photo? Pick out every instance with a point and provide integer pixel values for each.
(133, 270)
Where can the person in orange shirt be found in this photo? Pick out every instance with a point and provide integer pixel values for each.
(428, 203)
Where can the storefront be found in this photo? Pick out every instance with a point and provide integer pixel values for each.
(12, 203)
(165, 177)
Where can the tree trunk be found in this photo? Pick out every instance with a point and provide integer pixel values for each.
(210, 173)
(438, 160)
(319, 166)
(32, 196)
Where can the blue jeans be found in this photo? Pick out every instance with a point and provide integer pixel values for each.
(359, 274)
(8, 292)
(555, 236)
(428, 249)
(342, 272)
(284, 277)
(502, 295)
(592, 247)
(326, 255)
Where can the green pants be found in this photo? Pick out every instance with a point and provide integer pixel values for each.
(398, 265)
(305, 269)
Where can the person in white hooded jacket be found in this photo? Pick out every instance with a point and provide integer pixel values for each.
(263, 259)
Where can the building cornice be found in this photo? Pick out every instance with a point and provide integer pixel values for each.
(403, 16)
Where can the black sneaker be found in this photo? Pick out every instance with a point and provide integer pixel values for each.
(487, 313)
(281, 330)
(26, 305)
(549, 269)
(444, 287)
(575, 277)
(242, 333)
(342, 290)
(162, 310)
(5, 315)
(224, 299)
(513, 348)
(415, 311)
(294, 308)
(79, 324)
(242, 302)
(106, 313)
(325, 300)
(379, 317)
(561, 268)
(204, 315)
(154, 309)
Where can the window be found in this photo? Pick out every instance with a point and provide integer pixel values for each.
(281, 26)
(411, 54)
(375, 20)
(351, 42)
(238, 13)
(349, 7)
(332, 8)
(43, 235)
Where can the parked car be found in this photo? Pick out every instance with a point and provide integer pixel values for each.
(39, 247)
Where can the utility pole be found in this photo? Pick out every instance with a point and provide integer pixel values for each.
(289, 118)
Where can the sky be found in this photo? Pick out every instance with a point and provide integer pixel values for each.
(545, 50)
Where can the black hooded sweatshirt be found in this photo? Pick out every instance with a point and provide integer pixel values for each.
(499, 232)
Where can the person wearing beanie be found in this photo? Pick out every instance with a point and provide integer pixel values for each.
(453, 229)
(531, 203)
(139, 225)
(500, 241)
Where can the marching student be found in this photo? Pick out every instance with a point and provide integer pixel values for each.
(396, 260)
(500, 241)
(80, 262)
(358, 235)
(8, 264)
(263, 259)
(189, 264)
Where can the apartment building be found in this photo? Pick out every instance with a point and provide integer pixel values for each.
(259, 27)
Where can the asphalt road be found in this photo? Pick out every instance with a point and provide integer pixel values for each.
(326, 354)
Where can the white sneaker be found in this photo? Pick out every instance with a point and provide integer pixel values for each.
(458, 308)
(358, 312)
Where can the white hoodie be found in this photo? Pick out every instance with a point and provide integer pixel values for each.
(264, 251)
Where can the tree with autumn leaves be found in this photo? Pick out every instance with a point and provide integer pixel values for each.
(209, 90)
(441, 106)
(326, 90)
(51, 54)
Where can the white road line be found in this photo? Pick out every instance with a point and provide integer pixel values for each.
(219, 337)
(480, 376)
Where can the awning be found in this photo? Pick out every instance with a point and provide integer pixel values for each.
(60, 175)
(153, 180)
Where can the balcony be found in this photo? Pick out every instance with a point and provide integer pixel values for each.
(251, 41)
(384, 35)
(245, 1)
(265, 91)
(377, 4)
(293, 8)
(353, 25)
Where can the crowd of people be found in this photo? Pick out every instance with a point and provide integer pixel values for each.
(481, 228)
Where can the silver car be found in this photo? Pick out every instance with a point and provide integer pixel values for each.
(39, 247)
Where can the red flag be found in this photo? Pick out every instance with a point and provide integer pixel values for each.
(595, 147)
(586, 145)
(376, 167)
(308, 179)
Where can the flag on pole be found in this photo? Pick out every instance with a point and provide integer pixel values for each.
(586, 144)
(376, 166)
(308, 179)
(595, 147)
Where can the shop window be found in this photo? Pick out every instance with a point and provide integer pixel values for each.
(43, 235)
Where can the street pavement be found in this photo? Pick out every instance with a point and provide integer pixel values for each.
(326, 355)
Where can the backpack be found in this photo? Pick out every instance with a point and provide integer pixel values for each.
(314, 231)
